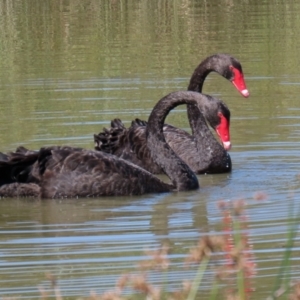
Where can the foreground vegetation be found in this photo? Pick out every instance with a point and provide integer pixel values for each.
(228, 254)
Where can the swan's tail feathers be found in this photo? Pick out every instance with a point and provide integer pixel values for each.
(22, 149)
(10, 155)
(109, 139)
(139, 122)
(105, 142)
(117, 123)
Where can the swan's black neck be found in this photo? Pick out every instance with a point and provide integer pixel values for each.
(206, 143)
(219, 63)
(198, 77)
(216, 63)
(182, 177)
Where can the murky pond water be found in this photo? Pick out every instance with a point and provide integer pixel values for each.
(67, 68)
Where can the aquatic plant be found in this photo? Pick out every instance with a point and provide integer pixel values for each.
(230, 246)
(233, 274)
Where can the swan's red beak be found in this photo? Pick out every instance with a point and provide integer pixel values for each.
(239, 82)
(223, 132)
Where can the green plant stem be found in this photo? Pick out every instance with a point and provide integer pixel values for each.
(214, 290)
(241, 284)
(283, 275)
(198, 278)
(240, 274)
(236, 232)
(165, 282)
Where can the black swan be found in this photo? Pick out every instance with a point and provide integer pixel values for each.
(59, 172)
(211, 157)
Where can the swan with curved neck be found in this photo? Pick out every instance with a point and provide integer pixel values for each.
(208, 157)
(224, 64)
(59, 172)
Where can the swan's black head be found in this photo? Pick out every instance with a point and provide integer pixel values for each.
(230, 68)
(217, 115)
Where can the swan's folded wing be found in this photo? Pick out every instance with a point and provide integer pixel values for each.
(18, 167)
(16, 189)
(93, 174)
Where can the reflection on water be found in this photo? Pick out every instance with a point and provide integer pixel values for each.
(68, 68)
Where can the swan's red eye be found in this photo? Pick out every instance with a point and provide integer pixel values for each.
(239, 82)
(223, 131)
